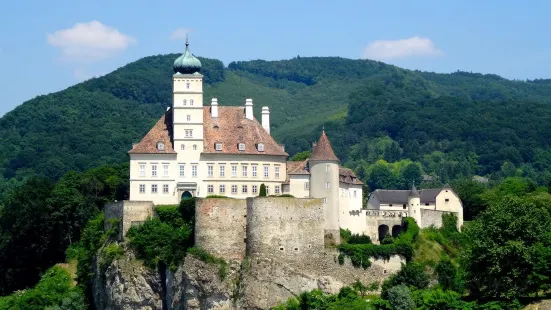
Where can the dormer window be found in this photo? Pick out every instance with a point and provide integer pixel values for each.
(241, 146)
(218, 146)
(260, 147)
(160, 146)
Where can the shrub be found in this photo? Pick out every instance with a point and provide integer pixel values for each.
(388, 239)
(109, 253)
(448, 277)
(411, 274)
(399, 298)
(262, 192)
(170, 215)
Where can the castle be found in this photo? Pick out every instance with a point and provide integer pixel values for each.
(199, 151)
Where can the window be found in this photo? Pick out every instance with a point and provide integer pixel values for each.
(210, 189)
(142, 170)
(241, 146)
(426, 203)
(182, 147)
(277, 190)
(218, 146)
(234, 189)
(165, 188)
(188, 133)
(194, 171)
(195, 147)
(222, 188)
(307, 185)
(165, 170)
(404, 206)
(255, 189)
(210, 171)
(187, 85)
(153, 170)
(390, 205)
(222, 171)
(266, 171)
(327, 185)
(260, 147)
(160, 146)
(154, 188)
(326, 168)
(267, 190)
(244, 189)
(182, 170)
(188, 118)
(277, 172)
(142, 188)
(447, 199)
(191, 102)
(324, 200)
(234, 170)
(254, 170)
(354, 193)
(244, 171)
(185, 102)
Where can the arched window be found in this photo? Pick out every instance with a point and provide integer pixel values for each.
(188, 118)
(190, 101)
(182, 147)
(195, 147)
(185, 102)
(187, 85)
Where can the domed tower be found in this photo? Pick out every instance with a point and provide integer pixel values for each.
(414, 205)
(324, 183)
(187, 113)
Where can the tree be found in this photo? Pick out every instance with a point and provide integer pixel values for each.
(470, 192)
(447, 274)
(301, 156)
(400, 298)
(262, 192)
(359, 287)
(411, 174)
(507, 243)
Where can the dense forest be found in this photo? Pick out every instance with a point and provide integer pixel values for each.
(450, 125)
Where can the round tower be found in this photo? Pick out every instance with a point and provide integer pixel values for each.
(414, 205)
(324, 184)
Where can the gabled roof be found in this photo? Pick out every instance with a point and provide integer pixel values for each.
(231, 128)
(160, 132)
(401, 196)
(323, 150)
(347, 176)
(298, 167)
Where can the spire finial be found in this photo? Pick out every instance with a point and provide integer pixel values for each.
(187, 40)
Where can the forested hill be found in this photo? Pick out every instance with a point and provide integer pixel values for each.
(451, 124)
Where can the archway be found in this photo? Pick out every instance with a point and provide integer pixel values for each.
(383, 231)
(396, 230)
(186, 195)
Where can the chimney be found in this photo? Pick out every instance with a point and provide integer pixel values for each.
(314, 145)
(214, 108)
(266, 118)
(249, 109)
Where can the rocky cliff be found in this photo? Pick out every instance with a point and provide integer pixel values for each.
(255, 283)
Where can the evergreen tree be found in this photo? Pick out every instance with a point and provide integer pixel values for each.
(262, 192)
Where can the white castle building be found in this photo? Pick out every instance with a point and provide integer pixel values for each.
(197, 151)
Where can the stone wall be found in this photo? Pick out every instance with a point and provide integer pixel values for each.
(432, 217)
(375, 218)
(287, 228)
(129, 213)
(220, 226)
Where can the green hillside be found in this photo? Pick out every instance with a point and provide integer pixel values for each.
(448, 124)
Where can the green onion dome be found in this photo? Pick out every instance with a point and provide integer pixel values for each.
(187, 63)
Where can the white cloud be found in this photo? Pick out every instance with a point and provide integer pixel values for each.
(180, 34)
(392, 49)
(89, 41)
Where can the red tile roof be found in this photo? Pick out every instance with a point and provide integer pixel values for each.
(231, 128)
(297, 167)
(323, 150)
(347, 176)
(161, 132)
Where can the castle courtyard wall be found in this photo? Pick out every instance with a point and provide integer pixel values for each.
(129, 213)
(432, 218)
(220, 226)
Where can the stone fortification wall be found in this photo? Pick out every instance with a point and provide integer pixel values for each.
(220, 226)
(287, 228)
(375, 218)
(432, 217)
(129, 213)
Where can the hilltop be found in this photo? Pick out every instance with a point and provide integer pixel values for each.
(452, 124)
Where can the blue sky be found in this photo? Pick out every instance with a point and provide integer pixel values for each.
(46, 46)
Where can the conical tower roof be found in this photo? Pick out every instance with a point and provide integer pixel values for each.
(414, 193)
(323, 149)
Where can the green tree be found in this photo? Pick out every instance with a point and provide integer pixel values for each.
(262, 192)
(400, 298)
(301, 156)
(506, 244)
